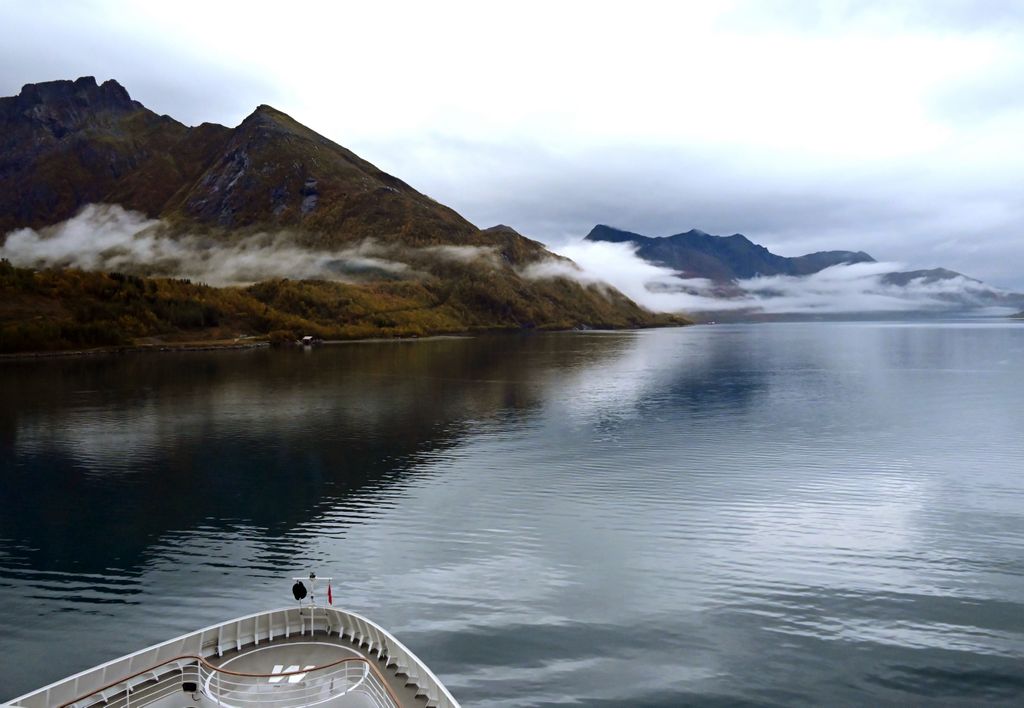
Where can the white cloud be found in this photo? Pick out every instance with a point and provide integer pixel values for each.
(616, 264)
(464, 254)
(109, 238)
(851, 288)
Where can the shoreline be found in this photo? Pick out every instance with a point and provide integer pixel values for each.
(135, 349)
(172, 348)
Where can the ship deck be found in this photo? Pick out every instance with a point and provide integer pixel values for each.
(286, 655)
(309, 656)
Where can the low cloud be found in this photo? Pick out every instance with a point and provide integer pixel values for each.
(553, 268)
(602, 263)
(853, 288)
(110, 238)
(840, 289)
(464, 254)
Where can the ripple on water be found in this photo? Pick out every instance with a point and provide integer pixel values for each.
(731, 515)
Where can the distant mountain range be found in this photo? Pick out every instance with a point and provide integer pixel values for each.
(65, 145)
(726, 260)
(696, 254)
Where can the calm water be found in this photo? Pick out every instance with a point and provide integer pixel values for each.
(783, 514)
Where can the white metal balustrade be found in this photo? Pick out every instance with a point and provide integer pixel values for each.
(153, 676)
(304, 687)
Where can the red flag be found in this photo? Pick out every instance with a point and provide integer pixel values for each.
(330, 598)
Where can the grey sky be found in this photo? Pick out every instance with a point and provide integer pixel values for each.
(889, 127)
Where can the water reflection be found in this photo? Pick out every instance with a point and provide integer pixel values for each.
(142, 445)
(761, 515)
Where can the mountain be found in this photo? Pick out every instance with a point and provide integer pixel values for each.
(68, 146)
(70, 143)
(732, 264)
(925, 277)
(956, 289)
(696, 254)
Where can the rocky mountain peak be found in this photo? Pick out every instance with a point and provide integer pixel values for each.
(603, 232)
(66, 106)
(698, 254)
(263, 114)
(82, 93)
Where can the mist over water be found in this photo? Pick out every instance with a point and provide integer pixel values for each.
(785, 514)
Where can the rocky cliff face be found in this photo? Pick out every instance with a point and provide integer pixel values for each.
(63, 107)
(70, 143)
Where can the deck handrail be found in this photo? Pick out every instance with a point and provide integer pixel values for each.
(267, 626)
(201, 661)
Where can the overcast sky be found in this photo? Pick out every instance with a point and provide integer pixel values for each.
(894, 128)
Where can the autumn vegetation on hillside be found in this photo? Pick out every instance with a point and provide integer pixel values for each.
(62, 309)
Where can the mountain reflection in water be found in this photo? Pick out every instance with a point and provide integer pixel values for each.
(772, 514)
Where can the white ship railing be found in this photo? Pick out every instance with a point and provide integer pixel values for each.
(146, 676)
(296, 688)
(214, 686)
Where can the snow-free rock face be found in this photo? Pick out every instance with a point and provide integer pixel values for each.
(65, 144)
(697, 254)
(274, 172)
(66, 106)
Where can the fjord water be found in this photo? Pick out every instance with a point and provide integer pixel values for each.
(775, 514)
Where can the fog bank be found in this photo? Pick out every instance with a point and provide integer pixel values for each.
(840, 289)
(108, 237)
